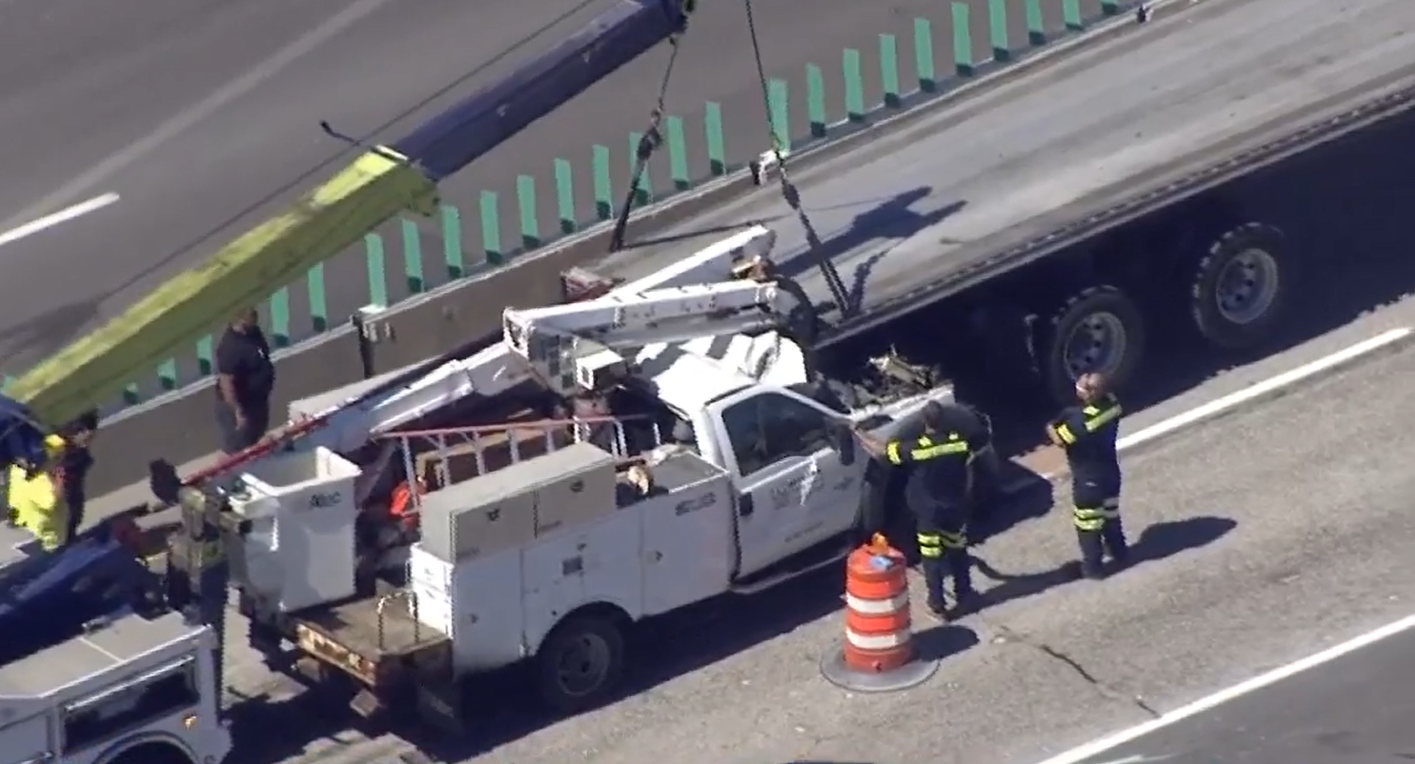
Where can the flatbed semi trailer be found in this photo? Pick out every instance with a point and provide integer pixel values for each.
(979, 209)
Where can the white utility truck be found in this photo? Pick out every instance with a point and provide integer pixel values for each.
(409, 544)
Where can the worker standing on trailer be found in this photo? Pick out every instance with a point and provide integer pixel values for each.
(245, 378)
(48, 499)
(937, 492)
(1088, 433)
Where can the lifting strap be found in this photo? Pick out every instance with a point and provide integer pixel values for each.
(648, 143)
(788, 189)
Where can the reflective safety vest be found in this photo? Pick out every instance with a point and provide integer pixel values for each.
(34, 496)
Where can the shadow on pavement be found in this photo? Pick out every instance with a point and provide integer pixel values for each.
(939, 642)
(1156, 542)
(265, 730)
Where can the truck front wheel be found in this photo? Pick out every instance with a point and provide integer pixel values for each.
(581, 662)
(1239, 287)
(1097, 330)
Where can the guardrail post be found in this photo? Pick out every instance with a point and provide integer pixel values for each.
(413, 257)
(716, 140)
(644, 195)
(924, 55)
(603, 184)
(206, 363)
(963, 61)
(526, 206)
(997, 28)
(815, 100)
(280, 317)
(377, 269)
(1071, 15)
(677, 153)
(779, 108)
(167, 375)
(854, 85)
(1036, 26)
(889, 71)
(491, 228)
(565, 196)
(132, 395)
(319, 306)
(452, 242)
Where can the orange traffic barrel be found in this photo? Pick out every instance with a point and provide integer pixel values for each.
(877, 653)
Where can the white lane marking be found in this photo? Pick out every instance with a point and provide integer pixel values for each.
(1269, 385)
(1262, 681)
(62, 216)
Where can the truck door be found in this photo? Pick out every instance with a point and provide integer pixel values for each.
(794, 490)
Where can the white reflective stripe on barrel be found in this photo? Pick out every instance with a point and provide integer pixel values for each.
(878, 607)
(877, 641)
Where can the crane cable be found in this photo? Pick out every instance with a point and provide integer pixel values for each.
(788, 189)
(648, 143)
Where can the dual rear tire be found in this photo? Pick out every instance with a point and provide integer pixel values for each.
(1233, 297)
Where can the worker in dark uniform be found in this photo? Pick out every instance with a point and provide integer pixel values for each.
(245, 377)
(937, 492)
(1088, 434)
(75, 463)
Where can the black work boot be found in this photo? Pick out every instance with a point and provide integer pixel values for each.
(1092, 554)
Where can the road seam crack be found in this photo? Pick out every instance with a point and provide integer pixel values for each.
(1011, 635)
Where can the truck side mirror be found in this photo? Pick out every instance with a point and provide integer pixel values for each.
(844, 443)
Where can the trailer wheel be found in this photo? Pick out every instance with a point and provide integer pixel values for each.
(581, 662)
(1239, 287)
(1099, 329)
(156, 752)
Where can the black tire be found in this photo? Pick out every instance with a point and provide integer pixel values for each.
(1260, 304)
(154, 753)
(1120, 314)
(568, 681)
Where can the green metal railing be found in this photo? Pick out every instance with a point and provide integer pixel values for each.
(416, 271)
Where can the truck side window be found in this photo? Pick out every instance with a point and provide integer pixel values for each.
(766, 428)
(96, 720)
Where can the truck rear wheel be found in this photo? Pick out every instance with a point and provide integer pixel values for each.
(1099, 329)
(1239, 286)
(581, 662)
(156, 752)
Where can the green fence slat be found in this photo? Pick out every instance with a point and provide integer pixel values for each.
(677, 153)
(280, 317)
(716, 140)
(413, 257)
(779, 107)
(565, 196)
(1071, 15)
(963, 60)
(452, 255)
(997, 30)
(167, 375)
(206, 365)
(491, 228)
(377, 269)
(924, 55)
(854, 85)
(526, 207)
(1036, 25)
(132, 395)
(1110, 7)
(603, 183)
(889, 70)
(319, 302)
(815, 100)
(644, 195)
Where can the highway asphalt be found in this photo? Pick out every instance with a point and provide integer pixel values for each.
(1266, 535)
(202, 116)
(1354, 709)
(944, 195)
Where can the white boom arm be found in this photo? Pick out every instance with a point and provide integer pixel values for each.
(500, 367)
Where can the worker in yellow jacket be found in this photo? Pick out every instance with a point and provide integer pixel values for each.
(49, 500)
